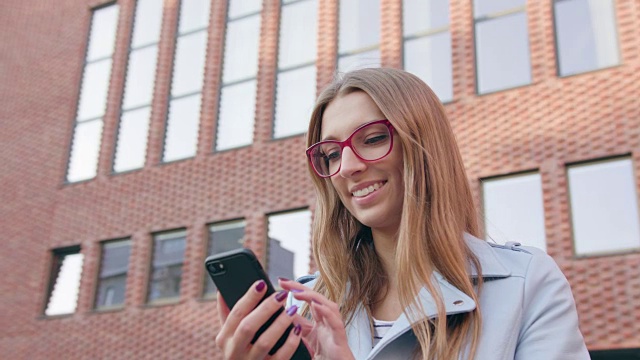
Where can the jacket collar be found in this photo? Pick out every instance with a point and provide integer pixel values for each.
(455, 302)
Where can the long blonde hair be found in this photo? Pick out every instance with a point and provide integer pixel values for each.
(438, 208)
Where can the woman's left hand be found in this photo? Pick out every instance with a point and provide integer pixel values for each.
(325, 337)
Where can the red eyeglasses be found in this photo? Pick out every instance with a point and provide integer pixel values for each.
(370, 142)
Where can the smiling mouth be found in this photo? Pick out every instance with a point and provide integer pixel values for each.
(368, 190)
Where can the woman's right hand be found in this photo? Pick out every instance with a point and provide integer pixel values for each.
(239, 326)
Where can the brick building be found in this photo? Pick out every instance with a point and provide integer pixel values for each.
(136, 138)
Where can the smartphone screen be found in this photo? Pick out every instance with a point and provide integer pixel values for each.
(234, 272)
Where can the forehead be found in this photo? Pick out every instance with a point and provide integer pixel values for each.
(345, 113)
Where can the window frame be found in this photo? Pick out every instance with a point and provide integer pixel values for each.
(165, 235)
(127, 241)
(360, 50)
(56, 257)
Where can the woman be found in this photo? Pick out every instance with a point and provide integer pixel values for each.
(401, 273)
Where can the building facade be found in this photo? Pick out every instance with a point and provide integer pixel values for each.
(138, 137)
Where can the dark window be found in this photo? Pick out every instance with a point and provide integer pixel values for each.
(586, 35)
(64, 283)
(112, 279)
(223, 237)
(166, 272)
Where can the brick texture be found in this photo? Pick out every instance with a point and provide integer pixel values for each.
(544, 125)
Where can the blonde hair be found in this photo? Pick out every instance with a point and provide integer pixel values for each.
(437, 209)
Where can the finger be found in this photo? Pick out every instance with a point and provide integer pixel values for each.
(223, 309)
(289, 347)
(328, 316)
(250, 324)
(241, 309)
(305, 324)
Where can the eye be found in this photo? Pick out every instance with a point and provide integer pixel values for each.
(376, 139)
(332, 156)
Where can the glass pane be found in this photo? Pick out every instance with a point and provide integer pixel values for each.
(182, 129)
(103, 32)
(94, 90)
(168, 255)
(587, 36)
(423, 15)
(502, 53)
(222, 238)
(194, 14)
(430, 59)
(188, 71)
(236, 116)
(604, 207)
(85, 149)
(113, 274)
(296, 93)
(297, 34)
(514, 211)
(369, 59)
(487, 7)
(131, 148)
(241, 49)
(64, 297)
(289, 245)
(141, 73)
(146, 29)
(359, 24)
(243, 7)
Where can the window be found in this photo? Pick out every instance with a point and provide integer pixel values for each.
(586, 36)
(223, 237)
(296, 82)
(131, 147)
(615, 354)
(513, 209)
(112, 279)
(359, 34)
(64, 283)
(181, 134)
(604, 207)
(427, 44)
(166, 274)
(289, 244)
(502, 45)
(87, 133)
(240, 68)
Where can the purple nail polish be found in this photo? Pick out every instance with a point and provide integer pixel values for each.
(292, 310)
(297, 329)
(281, 295)
(283, 278)
(297, 291)
(260, 286)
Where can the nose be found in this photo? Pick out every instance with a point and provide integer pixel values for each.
(350, 163)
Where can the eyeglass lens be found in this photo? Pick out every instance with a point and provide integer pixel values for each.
(370, 142)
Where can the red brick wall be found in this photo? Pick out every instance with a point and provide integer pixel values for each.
(544, 125)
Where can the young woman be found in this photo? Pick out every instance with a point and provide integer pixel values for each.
(401, 272)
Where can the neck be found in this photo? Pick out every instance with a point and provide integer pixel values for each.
(385, 244)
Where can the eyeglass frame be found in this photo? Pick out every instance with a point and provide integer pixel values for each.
(347, 142)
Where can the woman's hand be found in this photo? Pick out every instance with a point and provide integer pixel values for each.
(239, 326)
(325, 337)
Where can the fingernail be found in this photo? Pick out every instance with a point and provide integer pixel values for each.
(297, 329)
(281, 295)
(260, 286)
(292, 310)
(283, 278)
(296, 291)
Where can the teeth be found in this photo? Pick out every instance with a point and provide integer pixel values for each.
(368, 190)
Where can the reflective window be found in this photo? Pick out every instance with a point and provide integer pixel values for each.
(87, 134)
(64, 283)
(296, 80)
(502, 45)
(181, 132)
(513, 209)
(112, 279)
(238, 88)
(359, 34)
(289, 244)
(223, 237)
(586, 35)
(604, 207)
(427, 44)
(166, 272)
(131, 146)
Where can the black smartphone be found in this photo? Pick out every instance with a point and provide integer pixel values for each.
(234, 272)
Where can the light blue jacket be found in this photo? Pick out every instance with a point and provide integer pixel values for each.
(528, 311)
